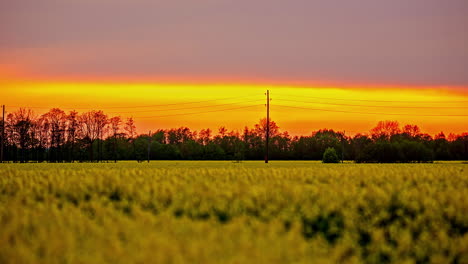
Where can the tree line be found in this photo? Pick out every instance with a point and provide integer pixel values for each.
(93, 136)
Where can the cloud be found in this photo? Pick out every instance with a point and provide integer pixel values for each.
(388, 42)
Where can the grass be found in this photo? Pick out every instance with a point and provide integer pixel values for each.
(225, 212)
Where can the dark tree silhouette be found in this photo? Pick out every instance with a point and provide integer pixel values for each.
(411, 130)
(55, 122)
(204, 136)
(261, 128)
(92, 125)
(20, 130)
(385, 129)
(57, 137)
(73, 126)
(115, 123)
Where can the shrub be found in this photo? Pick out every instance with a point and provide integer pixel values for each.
(330, 156)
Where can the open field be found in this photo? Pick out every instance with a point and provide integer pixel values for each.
(224, 212)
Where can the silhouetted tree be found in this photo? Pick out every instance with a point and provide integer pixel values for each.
(91, 128)
(330, 156)
(261, 128)
(115, 123)
(204, 136)
(19, 129)
(130, 128)
(73, 126)
(54, 124)
(56, 136)
(385, 129)
(411, 130)
(361, 145)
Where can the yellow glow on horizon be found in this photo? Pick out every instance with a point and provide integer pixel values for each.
(299, 110)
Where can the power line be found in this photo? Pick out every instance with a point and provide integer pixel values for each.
(2, 134)
(186, 108)
(366, 113)
(140, 106)
(383, 106)
(267, 125)
(381, 101)
(182, 114)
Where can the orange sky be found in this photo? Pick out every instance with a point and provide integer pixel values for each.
(343, 66)
(299, 110)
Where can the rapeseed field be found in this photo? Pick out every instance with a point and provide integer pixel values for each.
(224, 212)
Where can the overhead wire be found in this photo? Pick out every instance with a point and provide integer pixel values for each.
(203, 112)
(367, 113)
(138, 106)
(281, 100)
(382, 106)
(362, 100)
(185, 108)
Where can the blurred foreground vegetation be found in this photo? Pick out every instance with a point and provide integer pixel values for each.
(225, 212)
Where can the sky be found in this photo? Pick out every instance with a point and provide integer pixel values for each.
(328, 64)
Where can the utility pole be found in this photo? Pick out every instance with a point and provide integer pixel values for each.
(3, 134)
(149, 145)
(99, 145)
(115, 147)
(267, 126)
(342, 146)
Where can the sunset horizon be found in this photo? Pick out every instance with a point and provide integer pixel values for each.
(300, 110)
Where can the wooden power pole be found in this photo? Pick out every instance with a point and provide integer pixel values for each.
(149, 145)
(267, 126)
(342, 146)
(3, 134)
